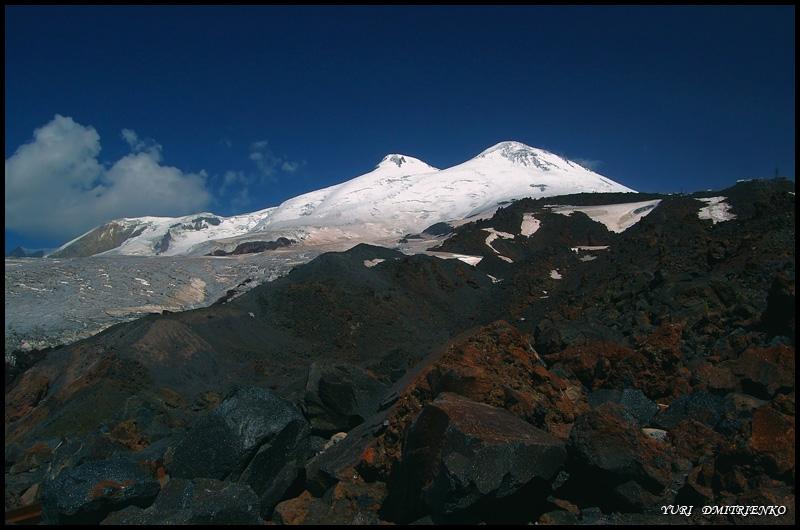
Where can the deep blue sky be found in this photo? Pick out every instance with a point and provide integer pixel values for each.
(130, 111)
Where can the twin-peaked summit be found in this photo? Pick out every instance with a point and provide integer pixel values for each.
(401, 195)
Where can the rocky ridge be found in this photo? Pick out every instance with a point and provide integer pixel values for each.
(574, 375)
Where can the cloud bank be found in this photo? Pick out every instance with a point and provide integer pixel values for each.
(57, 188)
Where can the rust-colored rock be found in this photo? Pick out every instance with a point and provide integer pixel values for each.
(28, 391)
(766, 371)
(350, 503)
(494, 365)
(654, 366)
(774, 439)
(128, 433)
(694, 441)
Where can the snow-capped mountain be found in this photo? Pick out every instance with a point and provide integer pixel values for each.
(401, 195)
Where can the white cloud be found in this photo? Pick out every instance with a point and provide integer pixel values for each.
(290, 167)
(236, 188)
(269, 165)
(132, 138)
(56, 187)
(231, 177)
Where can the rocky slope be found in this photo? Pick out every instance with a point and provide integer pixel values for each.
(574, 374)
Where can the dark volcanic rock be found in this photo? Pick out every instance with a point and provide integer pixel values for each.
(438, 229)
(460, 453)
(619, 466)
(699, 406)
(778, 317)
(638, 405)
(88, 493)
(340, 396)
(201, 501)
(765, 372)
(253, 437)
(634, 401)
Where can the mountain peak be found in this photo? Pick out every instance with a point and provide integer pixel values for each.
(515, 152)
(394, 159)
(404, 163)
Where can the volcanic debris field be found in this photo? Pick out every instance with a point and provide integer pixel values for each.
(574, 375)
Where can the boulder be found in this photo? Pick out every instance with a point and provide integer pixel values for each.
(620, 467)
(460, 453)
(633, 399)
(195, 502)
(253, 437)
(347, 503)
(91, 491)
(774, 439)
(340, 396)
(638, 405)
(699, 406)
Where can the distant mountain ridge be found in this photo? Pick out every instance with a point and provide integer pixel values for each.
(401, 195)
(20, 252)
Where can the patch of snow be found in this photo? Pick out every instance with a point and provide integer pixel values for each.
(530, 225)
(717, 210)
(588, 257)
(373, 262)
(616, 217)
(555, 275)
(494, 234)
(498, 233)
(469, 260)
(494, 280)
(587, 247)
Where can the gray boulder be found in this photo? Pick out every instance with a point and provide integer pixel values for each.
(699, 406)
(88, 493)
(252, 437)
(460, 453)
(621, 466)
(195, 502)
(340, 396)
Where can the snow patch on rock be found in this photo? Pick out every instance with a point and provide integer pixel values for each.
(717, 210)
